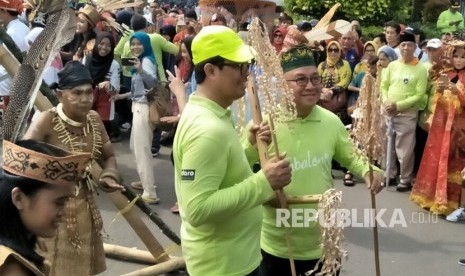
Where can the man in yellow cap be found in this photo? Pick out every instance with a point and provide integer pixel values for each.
(219, 197)
(451, 20)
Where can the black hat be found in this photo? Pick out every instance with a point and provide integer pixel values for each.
(73, 74)
(191, 14)
(455, 4)
(407, 36)
(304, 26)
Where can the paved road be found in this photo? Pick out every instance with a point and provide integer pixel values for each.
(430, 248)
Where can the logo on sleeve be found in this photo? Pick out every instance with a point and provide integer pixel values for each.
(187, 175)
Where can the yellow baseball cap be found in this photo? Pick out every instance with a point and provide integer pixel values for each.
(221, 41)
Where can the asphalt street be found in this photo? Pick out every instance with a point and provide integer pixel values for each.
(411, 243)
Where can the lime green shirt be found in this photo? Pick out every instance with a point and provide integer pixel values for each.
(446, 17)
(310, 143)
(159, 45)
(220, 199)
(404, 84)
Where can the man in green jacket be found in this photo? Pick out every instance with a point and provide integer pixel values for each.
(451, 20)
(220, 199)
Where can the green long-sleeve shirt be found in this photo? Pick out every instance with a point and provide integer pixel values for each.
(218, 195)
(404, 84)
(446, 17)
(310, 143)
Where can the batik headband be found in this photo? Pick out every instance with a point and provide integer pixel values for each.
(67, 169)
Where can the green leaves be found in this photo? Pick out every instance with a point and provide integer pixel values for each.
(370, 10)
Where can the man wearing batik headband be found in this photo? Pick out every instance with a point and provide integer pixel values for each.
(403, 93)
(317, 137)
(72, 125)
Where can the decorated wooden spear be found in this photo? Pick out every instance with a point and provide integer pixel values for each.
(370, 138)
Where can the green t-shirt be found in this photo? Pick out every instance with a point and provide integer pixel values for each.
(310, 143)
(220, 199)
(446, 17)
(405, 84)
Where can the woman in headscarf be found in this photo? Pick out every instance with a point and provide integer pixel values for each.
(386, 55)
(105, 72)
(144, 78)
(335, 73)
(278, 38)
(369, 49)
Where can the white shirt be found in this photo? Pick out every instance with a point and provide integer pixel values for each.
(17, 30)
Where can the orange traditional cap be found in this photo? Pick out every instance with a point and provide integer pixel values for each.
(12, 5)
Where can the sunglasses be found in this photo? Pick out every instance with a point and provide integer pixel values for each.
(333, 50)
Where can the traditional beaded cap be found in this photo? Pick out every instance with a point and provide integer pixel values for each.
(297, 57)
(65, 169)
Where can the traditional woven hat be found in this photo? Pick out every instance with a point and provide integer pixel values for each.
(92, 14)
(240, 10)
(67, 168)
(97, 11)
(296, 57)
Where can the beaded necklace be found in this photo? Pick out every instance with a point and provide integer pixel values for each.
(74, 143)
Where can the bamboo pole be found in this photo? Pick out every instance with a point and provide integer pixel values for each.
(139, 227)
(375, 223)
(263, 153)
(173, 264)
(303, 199)
(128, 254)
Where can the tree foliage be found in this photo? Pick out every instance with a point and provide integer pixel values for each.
(368, 11)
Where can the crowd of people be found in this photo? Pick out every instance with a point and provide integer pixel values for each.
(102, 78)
